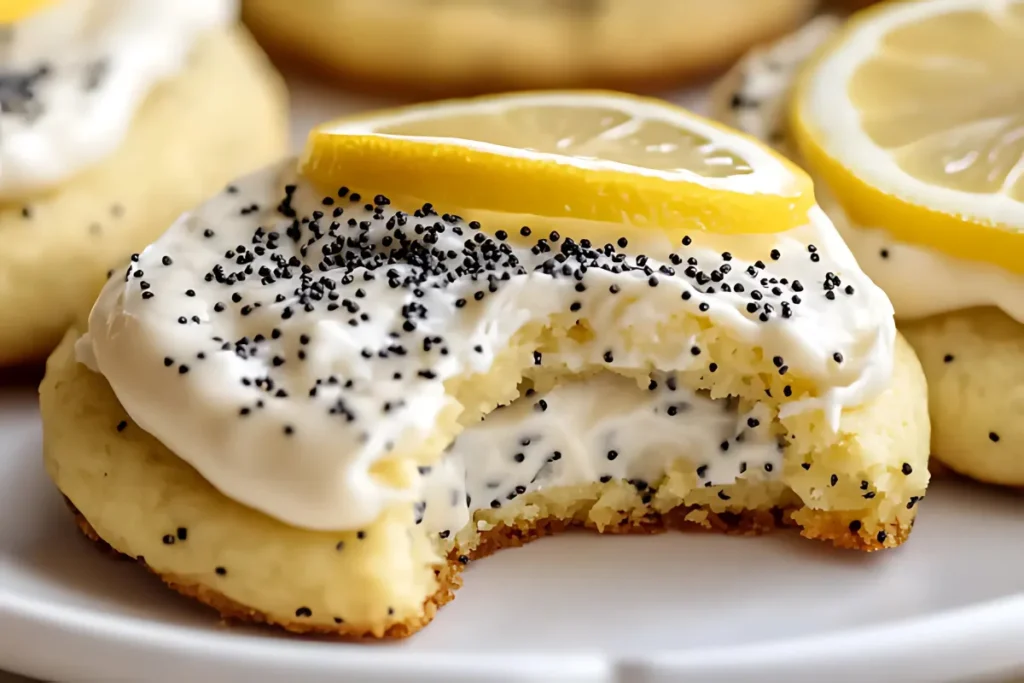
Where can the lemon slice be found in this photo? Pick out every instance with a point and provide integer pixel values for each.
(16, 10)
(594, 156)
(914, 118)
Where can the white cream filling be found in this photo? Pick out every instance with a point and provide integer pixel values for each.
(292, 422)
(600, 429)
(73, 75)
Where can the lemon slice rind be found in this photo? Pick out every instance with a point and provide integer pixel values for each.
(474, 174)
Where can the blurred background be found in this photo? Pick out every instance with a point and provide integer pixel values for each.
(344, 56)
(402, 50)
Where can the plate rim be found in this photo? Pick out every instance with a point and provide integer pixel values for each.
(949, 644)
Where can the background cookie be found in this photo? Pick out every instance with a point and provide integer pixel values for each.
(974, 362)
(225, 114)
(428, 47)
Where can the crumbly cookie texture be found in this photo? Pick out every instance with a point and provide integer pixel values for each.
(497, 45)
(388, 578)
(974, 361)
(224, 114)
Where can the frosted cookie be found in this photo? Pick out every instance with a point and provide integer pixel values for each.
(310, 403)
(115, 119)
(937, 224)
(493, 45)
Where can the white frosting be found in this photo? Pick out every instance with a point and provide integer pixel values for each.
(599, 429)
(73, 75)
(188, 345)
(919, 280)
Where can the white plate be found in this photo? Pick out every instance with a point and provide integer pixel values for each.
(947, 606)
(577, 608)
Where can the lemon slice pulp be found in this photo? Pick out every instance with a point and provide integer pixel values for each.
(16, 10)
(580, 155)
(914, 118)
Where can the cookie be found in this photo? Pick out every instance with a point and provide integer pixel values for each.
(434, 47)
(225, 113)
(974, 361)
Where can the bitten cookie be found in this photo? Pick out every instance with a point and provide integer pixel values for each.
(316, 413)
